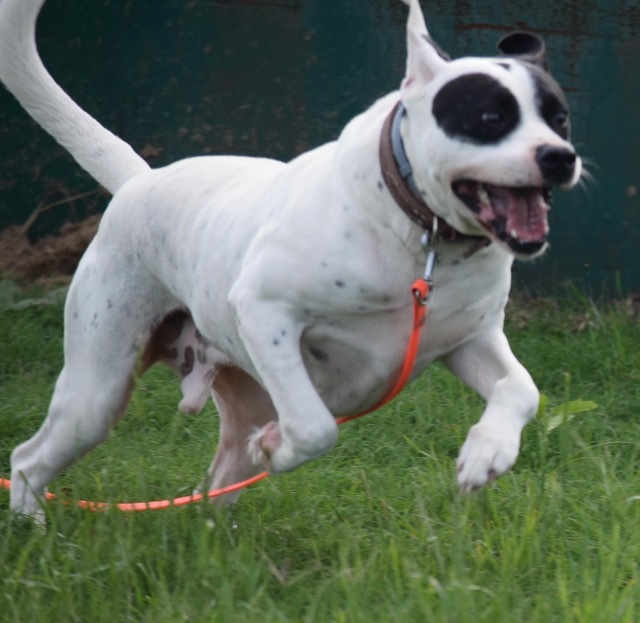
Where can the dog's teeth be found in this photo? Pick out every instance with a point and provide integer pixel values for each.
(514, 233)
(483, 195)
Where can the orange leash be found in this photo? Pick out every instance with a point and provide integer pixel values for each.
(420, 290)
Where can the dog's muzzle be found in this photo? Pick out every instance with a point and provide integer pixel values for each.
(516, 216)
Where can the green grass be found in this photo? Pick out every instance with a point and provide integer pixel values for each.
(375, 531)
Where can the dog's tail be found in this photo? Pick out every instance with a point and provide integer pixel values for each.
(103, 155)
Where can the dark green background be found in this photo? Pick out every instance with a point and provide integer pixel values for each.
(276, 77)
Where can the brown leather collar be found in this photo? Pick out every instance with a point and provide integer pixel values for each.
(399, 179)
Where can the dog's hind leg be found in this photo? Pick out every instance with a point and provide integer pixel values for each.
(81, 414)
(93, 389)
(244, 407)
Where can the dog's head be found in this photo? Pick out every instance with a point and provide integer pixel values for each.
(488, 138)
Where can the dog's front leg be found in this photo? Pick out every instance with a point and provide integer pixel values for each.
(487, 365)
(305, 429)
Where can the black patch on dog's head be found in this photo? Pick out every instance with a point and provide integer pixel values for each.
(551, 102)
(476, 108)
(530, 50)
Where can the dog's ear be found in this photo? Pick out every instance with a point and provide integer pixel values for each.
(424, 58)
(525, 46)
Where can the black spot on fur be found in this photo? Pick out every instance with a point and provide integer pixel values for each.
(201, 339)
(476, 108)
(551, 102)
(340, 283)
(186, 367)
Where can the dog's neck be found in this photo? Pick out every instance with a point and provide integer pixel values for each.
(398, 176)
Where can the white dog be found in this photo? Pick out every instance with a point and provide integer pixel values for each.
(284, 289)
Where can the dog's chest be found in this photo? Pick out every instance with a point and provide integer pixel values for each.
(353, 359)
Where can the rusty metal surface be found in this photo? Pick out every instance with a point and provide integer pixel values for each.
(275, 77)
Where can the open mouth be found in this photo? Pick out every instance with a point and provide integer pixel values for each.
(515, 215)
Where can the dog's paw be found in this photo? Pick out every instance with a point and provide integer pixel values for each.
(486, 454)
(263, 444)
(278, 453)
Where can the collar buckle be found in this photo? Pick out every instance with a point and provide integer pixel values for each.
(430, 241)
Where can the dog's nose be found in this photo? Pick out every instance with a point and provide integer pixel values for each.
(557, 164)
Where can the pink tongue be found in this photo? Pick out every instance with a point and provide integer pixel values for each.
(524, 210)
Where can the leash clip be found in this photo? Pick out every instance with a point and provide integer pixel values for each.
(429, 242)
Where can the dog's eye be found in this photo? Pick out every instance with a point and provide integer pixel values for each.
(492, 117)
(561, 118)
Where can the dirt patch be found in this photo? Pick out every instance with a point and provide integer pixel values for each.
(51, 259)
